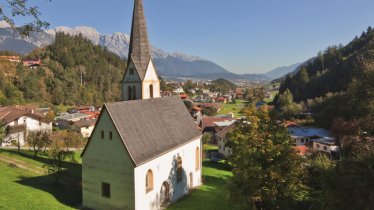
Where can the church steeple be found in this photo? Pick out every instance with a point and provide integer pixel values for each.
(139, 51)
(140, 80)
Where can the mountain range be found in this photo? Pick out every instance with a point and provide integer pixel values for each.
(175, 65)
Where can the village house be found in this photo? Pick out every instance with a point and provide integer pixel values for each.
(32, 63)
(178, 90)
(303, 135)
(145, 151)
(221, 137)
(19, 123)
(213, 124)
(316, 139)
(84, 127)
(67, 120)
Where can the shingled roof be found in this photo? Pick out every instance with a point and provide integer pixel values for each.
(139, 50)
(152, 127)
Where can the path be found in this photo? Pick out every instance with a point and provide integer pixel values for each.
(23, 165)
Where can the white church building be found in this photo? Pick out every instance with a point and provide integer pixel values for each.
(145, 151)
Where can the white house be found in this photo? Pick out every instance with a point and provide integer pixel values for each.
(84, 127)
(178, 90)
(326, 145)
(19, 123)
(304, 135)
(145, 151)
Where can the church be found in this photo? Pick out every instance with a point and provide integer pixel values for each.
(145, 151)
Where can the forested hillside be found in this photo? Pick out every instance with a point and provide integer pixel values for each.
(222, 85)
(339, 83)
(74, 71)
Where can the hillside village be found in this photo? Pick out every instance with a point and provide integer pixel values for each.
(82, 128)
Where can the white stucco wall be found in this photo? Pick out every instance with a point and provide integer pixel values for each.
(106, 160)
(86, 131)
(151, 78)
(321, 148)
(34, 125)
(164, 169)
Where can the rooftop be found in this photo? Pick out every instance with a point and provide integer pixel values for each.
(74, 116)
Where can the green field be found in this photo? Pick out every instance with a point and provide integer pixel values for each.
(233, 108)
(212, 195)
(28, 187)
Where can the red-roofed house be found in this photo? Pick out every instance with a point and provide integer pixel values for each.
(302, 150)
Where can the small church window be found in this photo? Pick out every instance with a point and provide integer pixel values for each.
(102, 134)
(105, 190)
(149, 181)
(151, 91)
(179, 169)
(197, 159)
(131, 71)
(110, 135)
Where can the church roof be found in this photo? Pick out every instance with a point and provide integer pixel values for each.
(152, 127)
(139, 50)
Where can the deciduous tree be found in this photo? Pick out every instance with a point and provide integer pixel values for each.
(268, 173)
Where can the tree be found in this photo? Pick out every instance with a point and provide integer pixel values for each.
(3, 131)
(22, 8)
(188, 104)
(207, 137)
(16, 141)
(59, 152)
(209, 111)
(38, 140)
(268, 173)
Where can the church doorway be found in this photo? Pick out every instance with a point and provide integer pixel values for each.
(165, 194)
(191, 180)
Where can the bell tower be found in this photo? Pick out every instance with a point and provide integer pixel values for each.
(140, 80)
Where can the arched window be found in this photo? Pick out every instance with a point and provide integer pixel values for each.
(151, 91)
(149, 181)
(129, 92)
(133, 92)
(179, 169)
(197, 159)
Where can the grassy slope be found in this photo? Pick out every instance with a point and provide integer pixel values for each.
(213, 194)
(16, 194)
(23, 189)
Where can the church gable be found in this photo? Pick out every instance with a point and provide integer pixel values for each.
(151, 74)
(105, 161)
(131, 74)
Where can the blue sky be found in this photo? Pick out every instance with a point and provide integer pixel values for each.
(243, 36)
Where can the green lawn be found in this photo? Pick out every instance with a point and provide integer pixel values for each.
(208, 147)
(212, 195)
(25, 189)
(233, 108)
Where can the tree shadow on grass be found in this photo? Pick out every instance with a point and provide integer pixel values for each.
(68, 191)
(65, 192)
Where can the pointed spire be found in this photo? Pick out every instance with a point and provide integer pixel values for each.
(139, 50)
